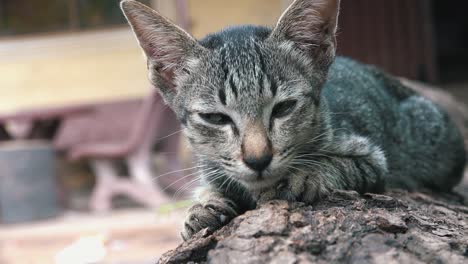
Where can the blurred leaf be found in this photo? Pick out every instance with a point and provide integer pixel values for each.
(168, 208)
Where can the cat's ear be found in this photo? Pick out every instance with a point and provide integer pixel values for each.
(167, 47)
(310, 25)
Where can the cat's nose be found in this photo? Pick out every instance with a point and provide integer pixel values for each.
(258, 164)
(256, 147)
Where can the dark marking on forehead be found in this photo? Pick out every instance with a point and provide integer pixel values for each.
(315, 98)
(234, 34)
(224, 65)
(233, 85)
(235, 130)
(184, 117)
(273, 86)
(260, 83)
(260, 58)
(222, 96)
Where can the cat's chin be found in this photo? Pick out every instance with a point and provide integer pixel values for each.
(259, 183)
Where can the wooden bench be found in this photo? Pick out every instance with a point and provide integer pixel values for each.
(102, 133)
(92, 87)
(124, 130)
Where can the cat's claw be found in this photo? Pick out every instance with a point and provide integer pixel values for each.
(212, 215)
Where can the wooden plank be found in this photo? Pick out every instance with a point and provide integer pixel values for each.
(212, 15)
(66, 225)
(63, 69)
(166, 7)
(131, 236)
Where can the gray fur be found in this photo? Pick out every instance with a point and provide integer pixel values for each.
(353, 127)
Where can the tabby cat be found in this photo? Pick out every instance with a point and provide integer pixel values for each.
(274, 114)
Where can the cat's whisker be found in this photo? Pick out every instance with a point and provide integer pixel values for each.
(221, 175)
(313, 155)
(170, 135)
(176, 171)
(178, 180)
(295, 168)
(232, 180)
(185, 187)
(326, 133)
(313, 165)
(197, 178)
(181, 179)
(224, 182)
(181, 189)
(300, 161)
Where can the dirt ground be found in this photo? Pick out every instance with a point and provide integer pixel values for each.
(121, 237)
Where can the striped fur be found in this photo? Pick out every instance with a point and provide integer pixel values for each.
(347, 125)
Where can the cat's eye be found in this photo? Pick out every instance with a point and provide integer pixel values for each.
(216, 118)
(283, 109)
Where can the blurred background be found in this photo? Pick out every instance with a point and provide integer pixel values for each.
(93, 168)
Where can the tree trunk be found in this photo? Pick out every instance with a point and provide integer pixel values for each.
(398, 227)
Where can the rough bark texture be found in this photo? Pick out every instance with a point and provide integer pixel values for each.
(398, 227)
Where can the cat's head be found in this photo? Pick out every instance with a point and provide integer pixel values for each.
(247, 96)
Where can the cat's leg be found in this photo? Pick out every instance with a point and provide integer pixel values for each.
(213, 210)
(350, 163)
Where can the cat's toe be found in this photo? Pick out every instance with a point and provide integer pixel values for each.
(200, 217)
(224, 209)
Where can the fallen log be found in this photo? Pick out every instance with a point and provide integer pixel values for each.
(397, 227)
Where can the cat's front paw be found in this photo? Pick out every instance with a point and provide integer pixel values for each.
(213, 215)
(283, 190)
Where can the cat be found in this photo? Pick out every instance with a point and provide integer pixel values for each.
(275, 114)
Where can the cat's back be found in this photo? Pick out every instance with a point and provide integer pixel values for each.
(413, 132)
(348, 77)
(362, 98)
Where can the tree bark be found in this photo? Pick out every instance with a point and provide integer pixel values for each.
(397, 227)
